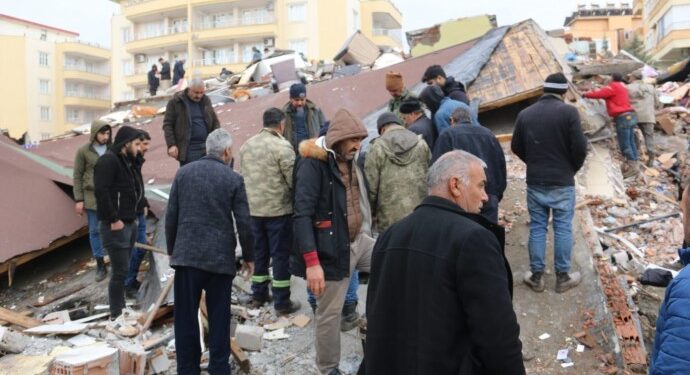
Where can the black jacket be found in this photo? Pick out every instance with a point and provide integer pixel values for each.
(165, 70)
(154, 82)
(425, 127)
(549, 139)
(177, 120)
(138, 165)
(480, 142)
(118, 188)
(178, 72)
(439, 297)
(455, 90)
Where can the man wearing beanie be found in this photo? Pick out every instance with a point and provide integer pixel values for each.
(417, 122)
(549, 139)
(396, 87)
(119, 191)
(395, 167)
(332, 227)
(435, 75)
(303, 118)
(442, 107)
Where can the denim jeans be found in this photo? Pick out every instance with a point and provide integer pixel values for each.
(137, 255)
(94, 236)
(560, 200)
(272, 240)
(350, 297)
(625, 129)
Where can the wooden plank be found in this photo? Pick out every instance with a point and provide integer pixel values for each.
(18, 319)
(240, 356)
(511, 99)
(59, 295)
(152, 314)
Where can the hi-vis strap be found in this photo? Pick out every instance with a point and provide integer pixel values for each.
(261, 278)
(281, 283)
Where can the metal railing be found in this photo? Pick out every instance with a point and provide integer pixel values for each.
(232, 22)
(87, 69)
(86, 95)
(148, 34)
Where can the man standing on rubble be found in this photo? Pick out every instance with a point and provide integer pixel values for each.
(442, 107)
(207, 199)
(165, 74)
(549, 139)
(83, 177)
(267, 161)
(189, 118)
(119, 191)
(435, 75)
(439, 298)
(482, 143)
(131, 282)
(303, 118)
(618, 106)
(332, 227)
(645, 101)
(178, 71)
(416, 121)
(153, 81)
(395, 168)
(396, 87)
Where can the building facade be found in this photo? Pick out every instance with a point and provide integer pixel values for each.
(214, 34)
(667, 30)
(610, 26)
(55, 82)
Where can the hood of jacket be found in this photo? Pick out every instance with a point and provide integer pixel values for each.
(96, 126)
(397, 143)
(344, 125)
(314, 148)
(453, 85)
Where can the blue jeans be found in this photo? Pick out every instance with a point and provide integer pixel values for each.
(94, 236)
(560, 200)
(350, 297)
(625, 129)
(137, 255)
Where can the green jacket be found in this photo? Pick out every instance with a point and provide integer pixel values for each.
(394, 103)
(266, 163)
(315, 120)
(84, 163)
(396, 167)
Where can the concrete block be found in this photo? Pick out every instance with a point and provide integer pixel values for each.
(249, 337)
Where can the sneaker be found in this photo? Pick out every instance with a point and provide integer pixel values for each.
(565, 281)
(534, 281)
(294, 306)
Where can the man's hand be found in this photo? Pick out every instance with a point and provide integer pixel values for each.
(315, 280)
(173, 152)
(79, 208)
(146, 212)
(247, 269)
(118, 225)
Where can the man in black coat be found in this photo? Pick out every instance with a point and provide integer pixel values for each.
(480, 142)
(549, 139)
(439, 298)
(435, 75)
(178, 71)
(119, 191)
(416, 121)
(153, 81)
(165, 74)
(200, 235)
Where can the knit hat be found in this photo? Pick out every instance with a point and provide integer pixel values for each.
(431, 96)
(125, 135)
(556, 84)
(394, 81)
(385, 119)
(432, 72)
(344, 125)
(298, 91)
(410, 105)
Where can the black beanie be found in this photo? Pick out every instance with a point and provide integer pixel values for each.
(556, 84)
(298, 91)
(431, 96)
(411, 105)
(387, 118)
(125, 135)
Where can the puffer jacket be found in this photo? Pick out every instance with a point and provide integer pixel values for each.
(84, 164)
(177, 122)
(396, 168)
(314, 119)
(670, 353)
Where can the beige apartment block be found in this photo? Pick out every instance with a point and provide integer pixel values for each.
(54, 82)
(214, 34)
(667, 30)
(610, 25)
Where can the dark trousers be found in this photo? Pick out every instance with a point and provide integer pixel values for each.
(118, 244)
(137, 255)
(189, 282)
(272, 241)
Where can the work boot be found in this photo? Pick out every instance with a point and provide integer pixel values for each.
(565, 281)
(259, 302)
(534, 281)
(630, 169)
(101, 270)
(350, 317)
(294, 306)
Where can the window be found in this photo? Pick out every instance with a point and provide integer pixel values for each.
(126, 34)
(72, 115)
(299, 46)
(127, 67)
(45, 113)
(43, 58)
(44, 34)
(43, 86)
(297, 12)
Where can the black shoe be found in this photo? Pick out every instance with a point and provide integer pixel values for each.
(350, 317)
(259, 302)
(294, 306)
(101, 270)
(535, 281)
(131, 293)
(566, 281)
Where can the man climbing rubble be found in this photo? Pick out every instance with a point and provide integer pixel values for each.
(645, 101)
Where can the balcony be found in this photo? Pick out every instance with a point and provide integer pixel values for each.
(162, 38)
(84, 49)
(135, 10)
(85, 99)
(243, 27)
(382, 7)
(383, 36)
(86, 73)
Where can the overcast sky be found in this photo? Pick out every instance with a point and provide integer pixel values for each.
(91, 18)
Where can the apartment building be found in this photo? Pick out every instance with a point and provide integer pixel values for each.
(609, 25)
(667, 30)
(54, 81)
(212, 34)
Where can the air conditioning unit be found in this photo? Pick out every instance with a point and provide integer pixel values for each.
(140, 58)
(269, 42)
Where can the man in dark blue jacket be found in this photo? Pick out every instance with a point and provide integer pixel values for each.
(200, 235)
(672, 341)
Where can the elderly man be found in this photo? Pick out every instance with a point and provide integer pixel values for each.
(435, 75)
(395, 168)
(417, 122)
(480, 142)
(396, 87)
(549, 139)
(303, 118)
(207, 200)
(332, 226)
(440, 276)
(189, 118)
(267, 161)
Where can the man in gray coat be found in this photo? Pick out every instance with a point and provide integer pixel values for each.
(643, 98)
(200, 234)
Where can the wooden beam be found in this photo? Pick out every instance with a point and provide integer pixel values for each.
(59, 294)
(488, 106)
(152, 314)
(504, 137)
(18, 319)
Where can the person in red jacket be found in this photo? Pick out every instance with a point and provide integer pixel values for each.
(618, 106)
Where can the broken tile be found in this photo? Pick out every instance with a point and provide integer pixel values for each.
(301, 320)
(278, 334)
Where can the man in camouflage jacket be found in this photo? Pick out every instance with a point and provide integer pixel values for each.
(267, 161)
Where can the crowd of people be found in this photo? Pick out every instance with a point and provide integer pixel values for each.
(417, 214)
